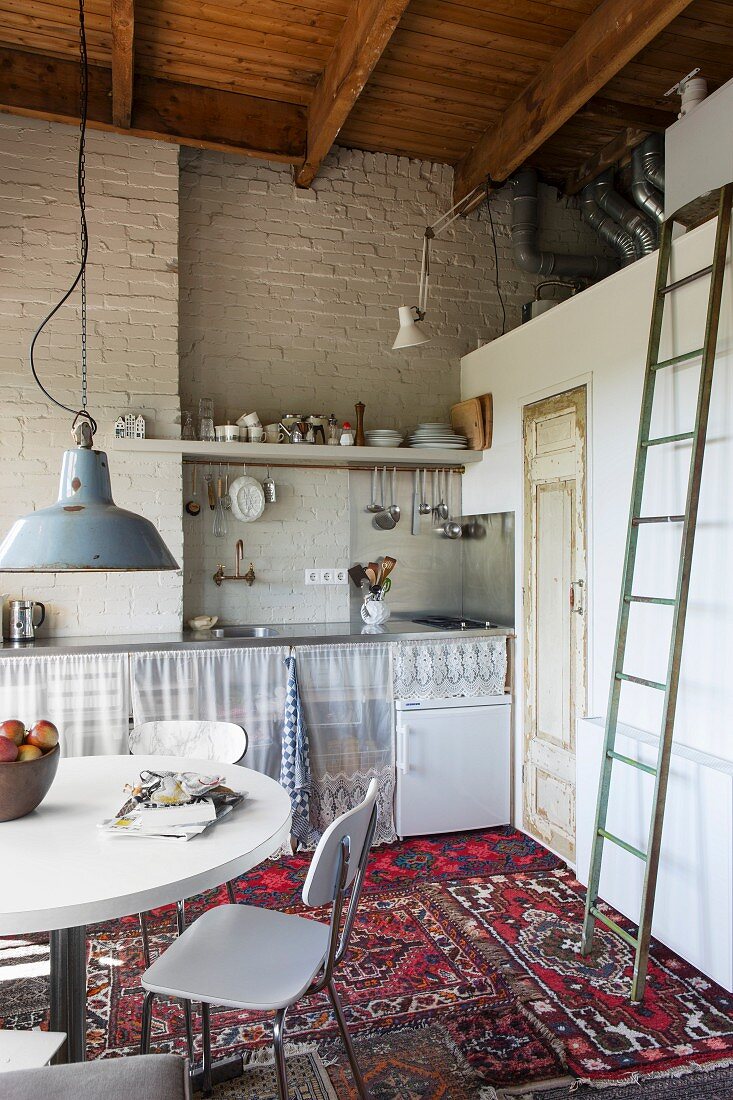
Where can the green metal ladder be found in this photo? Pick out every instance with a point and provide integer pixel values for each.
(640, 942)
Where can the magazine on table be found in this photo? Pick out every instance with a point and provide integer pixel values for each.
(172, 806)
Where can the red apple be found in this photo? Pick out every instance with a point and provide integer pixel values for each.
(43, 735)
(29, 752)
(13, 729)
(8, 750)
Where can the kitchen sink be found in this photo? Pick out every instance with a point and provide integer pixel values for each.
(244, 632)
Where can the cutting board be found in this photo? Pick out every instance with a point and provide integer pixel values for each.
(487, 407)
(467, 418)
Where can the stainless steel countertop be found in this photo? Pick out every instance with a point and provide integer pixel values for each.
(287, 634)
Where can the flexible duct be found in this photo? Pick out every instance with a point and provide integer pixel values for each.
(640, 227)
(653, 157)
(646, 197)
(607, 229)
(528, 256)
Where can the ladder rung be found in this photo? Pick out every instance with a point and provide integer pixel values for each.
(665, 601)
(638, 520)
(641, 680)
(631, 762)
(620, 932)
(683, 358)
(687, 279)
(622, 844)
(679, 438)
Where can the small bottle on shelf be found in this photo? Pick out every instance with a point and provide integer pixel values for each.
(347, 435)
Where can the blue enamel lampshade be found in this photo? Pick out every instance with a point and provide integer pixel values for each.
(84, 530)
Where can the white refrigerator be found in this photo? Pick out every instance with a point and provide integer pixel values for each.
(453, 764)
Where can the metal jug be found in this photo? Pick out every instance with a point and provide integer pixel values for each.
(21, 623)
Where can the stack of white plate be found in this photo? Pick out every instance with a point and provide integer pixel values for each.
(383, 437)
(437, 435)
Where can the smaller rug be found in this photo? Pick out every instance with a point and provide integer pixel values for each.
(307, 1080)
(717, 1084)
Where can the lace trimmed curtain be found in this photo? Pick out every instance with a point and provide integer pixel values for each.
(86, 695)
(459, 668)
(346, 696)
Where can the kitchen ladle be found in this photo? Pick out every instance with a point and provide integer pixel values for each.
(384, 520)
(442, 511)
(451, 529)
(394, 508)
(374, 506)
(192, 506)
(424, 508)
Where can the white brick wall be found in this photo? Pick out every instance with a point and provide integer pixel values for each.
(132, 192)
(289, 298)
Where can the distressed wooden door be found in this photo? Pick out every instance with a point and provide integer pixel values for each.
(554, 613)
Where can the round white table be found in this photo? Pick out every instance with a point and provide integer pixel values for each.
(62, 872)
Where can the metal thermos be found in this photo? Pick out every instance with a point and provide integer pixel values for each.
(22, 627)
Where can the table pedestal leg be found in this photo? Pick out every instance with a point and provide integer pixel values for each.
(69, 991)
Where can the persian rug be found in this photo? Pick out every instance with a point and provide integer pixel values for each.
(307, 1078)
(464, 978)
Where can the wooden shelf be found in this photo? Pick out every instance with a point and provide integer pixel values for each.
(299, 454)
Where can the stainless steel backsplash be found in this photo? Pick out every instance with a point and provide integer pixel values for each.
(434, 574)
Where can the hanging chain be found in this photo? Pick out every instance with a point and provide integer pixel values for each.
(79, 280)
(84, 99)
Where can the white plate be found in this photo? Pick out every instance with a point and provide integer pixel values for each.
(248, 499)
(440, 446)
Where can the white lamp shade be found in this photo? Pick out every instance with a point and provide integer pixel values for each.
(410, 334)
(84, 530)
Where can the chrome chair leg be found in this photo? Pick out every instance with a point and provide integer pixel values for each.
(338, 1012)
(146, 1021)
(188, 1023)
(206, 1036)
(144, 938)
(230, 892)
(181, 917)
(278, 1038)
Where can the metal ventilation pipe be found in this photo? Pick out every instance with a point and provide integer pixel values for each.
(640, 227)
(646, 197)
(653, 157)
(607, 229)
(528, 256)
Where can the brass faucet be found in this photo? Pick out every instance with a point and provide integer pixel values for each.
(249, 576)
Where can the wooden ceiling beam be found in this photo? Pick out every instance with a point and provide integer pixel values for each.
(605, 42)
(368, 28)
(34, 85)
(616, 151)
(122, 18)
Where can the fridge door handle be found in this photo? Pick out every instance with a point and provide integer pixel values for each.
(402, 762)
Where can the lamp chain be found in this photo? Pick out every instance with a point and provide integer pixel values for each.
(80, 277)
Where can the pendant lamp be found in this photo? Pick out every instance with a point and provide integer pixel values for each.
(84, 530)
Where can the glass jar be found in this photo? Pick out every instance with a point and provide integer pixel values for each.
(347, 435)
(334, 432)
(206, 420)
(187, 430)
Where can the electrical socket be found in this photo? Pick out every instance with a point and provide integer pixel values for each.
(313, 576)
(340, 576)
(326, 576)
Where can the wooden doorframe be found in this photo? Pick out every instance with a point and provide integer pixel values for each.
(575, 396)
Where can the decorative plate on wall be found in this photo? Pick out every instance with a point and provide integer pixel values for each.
(248, 499)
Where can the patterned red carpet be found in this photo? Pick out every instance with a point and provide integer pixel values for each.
(464, 973)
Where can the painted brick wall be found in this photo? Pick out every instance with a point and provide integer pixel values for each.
(132, 191)
(288, 298)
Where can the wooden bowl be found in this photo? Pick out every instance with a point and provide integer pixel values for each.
(25, 783)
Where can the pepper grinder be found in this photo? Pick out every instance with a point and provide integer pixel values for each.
(359, 407)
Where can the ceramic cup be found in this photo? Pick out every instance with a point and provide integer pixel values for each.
(256, 435)
(252, 420)
(226, 433)
(273, 433)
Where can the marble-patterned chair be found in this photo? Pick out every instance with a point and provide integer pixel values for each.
(221, 742)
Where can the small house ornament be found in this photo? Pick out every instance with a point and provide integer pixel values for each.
(130, 426)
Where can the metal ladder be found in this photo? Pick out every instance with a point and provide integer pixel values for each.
(640, 942)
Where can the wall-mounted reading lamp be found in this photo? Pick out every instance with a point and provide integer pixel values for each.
(410, 334)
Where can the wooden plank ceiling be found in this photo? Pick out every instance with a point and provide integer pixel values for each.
(424, 78)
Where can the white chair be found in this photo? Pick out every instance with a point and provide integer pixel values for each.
(260, 960)
(223, 742)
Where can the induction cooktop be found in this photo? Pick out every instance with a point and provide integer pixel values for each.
(447, 622)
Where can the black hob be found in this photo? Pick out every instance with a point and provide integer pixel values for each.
(446, 622)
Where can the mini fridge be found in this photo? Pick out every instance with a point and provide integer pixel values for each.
(453, 764)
